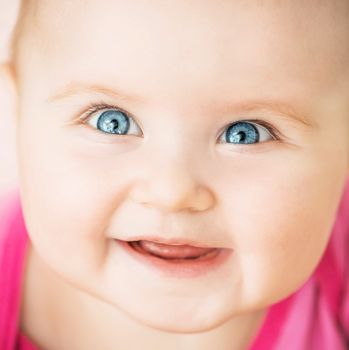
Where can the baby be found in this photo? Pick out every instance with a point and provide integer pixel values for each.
(213, 136)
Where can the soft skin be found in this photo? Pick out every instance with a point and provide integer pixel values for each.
(192, 69)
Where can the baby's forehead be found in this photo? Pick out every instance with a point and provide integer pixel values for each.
(315, 22)
(307, 39)
(310, 11)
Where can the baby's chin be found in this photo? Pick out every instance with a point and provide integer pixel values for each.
(177, 317)
(181, 317)
(160, 320)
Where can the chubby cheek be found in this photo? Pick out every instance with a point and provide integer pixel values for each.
(67, 202)
(281, 230)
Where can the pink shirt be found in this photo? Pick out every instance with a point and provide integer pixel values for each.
(315, 317)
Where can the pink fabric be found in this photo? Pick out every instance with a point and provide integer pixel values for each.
(13, 244)
(314, 317)
(317, 316)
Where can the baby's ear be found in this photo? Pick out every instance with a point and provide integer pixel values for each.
(8, 94)
(8, 125)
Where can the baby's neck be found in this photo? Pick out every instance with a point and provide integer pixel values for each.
(57, 316)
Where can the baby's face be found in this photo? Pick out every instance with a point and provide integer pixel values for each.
(188, 77)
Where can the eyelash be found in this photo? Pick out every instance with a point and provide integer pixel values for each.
(95, 107)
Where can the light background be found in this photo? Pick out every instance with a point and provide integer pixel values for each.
(8, 163)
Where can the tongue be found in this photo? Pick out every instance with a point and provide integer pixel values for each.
(173, 251)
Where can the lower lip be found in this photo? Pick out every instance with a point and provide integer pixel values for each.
(181, 268)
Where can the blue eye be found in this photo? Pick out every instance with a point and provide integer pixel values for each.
(112, 121)
(245, 133)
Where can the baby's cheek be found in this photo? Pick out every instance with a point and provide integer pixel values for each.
(274, 268)
(67, 202)
(282, 241)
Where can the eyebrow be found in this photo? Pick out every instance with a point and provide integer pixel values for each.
(76, 89)
(283, 109)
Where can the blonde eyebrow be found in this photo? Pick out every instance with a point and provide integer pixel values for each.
(75, 89)
(283, 109)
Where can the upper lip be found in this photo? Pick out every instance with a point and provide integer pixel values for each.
(169, 241)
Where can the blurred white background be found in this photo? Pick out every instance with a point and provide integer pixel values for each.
(8, 163)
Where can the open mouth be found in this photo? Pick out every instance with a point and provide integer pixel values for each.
(173, 252)
(180, 261)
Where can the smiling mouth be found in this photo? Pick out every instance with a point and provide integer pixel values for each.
(176, 261)
(173, 252)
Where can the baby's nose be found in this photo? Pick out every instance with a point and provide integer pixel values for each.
(172, 187)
